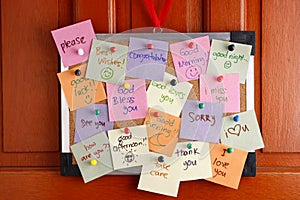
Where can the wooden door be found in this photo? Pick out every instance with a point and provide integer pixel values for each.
(29, 120)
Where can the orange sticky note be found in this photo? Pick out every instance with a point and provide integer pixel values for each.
(227, 167)
(163, 130)
(80, 91)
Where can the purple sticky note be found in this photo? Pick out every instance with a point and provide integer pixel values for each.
(201, 122)
(190, 58)
(222, 89)
(128, 101)
(91, 120)
(74, 42)
(147, 59)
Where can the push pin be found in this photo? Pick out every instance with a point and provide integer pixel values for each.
(77, 72)
(80, 52)
(155, 114)
(220, 78)
(230, 150)
(189, 145)
(150, 46)
(97, 112)
(113, 49)
(236, 118)
(201, 105)
(126, 130)
(93, 162)
(126, 85)
(173, 82)
(160, 159)
(191, 45)
(231, 47)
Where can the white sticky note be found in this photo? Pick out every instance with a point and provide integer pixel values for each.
(244, 134)
(127, 149)
(167, 98)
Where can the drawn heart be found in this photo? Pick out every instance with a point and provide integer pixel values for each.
(236, 130)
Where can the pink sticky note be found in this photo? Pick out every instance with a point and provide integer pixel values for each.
(128, 101)
(190, 58)
(74, 42)
(225, 92)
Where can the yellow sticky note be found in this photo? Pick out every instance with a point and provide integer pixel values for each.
(80, 91)
(163, 130)
(227, 167)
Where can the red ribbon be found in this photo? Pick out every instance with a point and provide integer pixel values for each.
(158, 20)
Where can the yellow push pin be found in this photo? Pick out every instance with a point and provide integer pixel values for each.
(94, 162)
(126, 85)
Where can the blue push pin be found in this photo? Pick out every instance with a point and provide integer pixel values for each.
(160, 159)
(236, 118)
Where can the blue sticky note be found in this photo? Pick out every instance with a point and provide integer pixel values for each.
(203, 122)
(144, 62)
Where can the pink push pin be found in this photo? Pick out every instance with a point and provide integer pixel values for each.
(155, 114)
(220, 78)
(150, 46)
(80, 52)
(113, 49)
(126, 130)
(191, 45)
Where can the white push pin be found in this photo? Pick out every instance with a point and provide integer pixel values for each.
(80, 52)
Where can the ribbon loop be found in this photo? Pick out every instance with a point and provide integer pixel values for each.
(158, 20)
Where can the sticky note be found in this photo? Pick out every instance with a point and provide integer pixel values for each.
(107, 62)
(227, 167)
(163, 130)
(167, 98)
(159, 177)
(80, 91)
(201, 124)
(71, 38)
(223, 61)
(190, 58)
(147, 62)
(127, 149)
(226, 92)
(88, 123)
(93, 148)
(244, 134)
(127, 103)
(194, 160)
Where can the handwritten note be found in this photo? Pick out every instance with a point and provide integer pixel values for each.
(163, 130)
(93, 148)
(224, 61)
(194, 160)
(80, 91)
(70, 39)
(226, 92)
(127, 149)
(127, 103)
(88, 123)
(203, 124)
(244, 134)
(190, 58)
(227, 167)
(107, 62)
(159, 177)
(167, 98)
(147, 62)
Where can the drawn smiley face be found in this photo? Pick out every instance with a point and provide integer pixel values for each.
(107, 73)
(192, 72)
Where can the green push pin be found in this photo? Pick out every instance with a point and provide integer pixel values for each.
(97, 112)
(230, 150)
(189, 145)
(201, 105)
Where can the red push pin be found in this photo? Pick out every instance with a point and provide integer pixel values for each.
(155, 114)
(113, 49)
(191, 45)
(220, 78)
(150, 46)
(126, 130)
